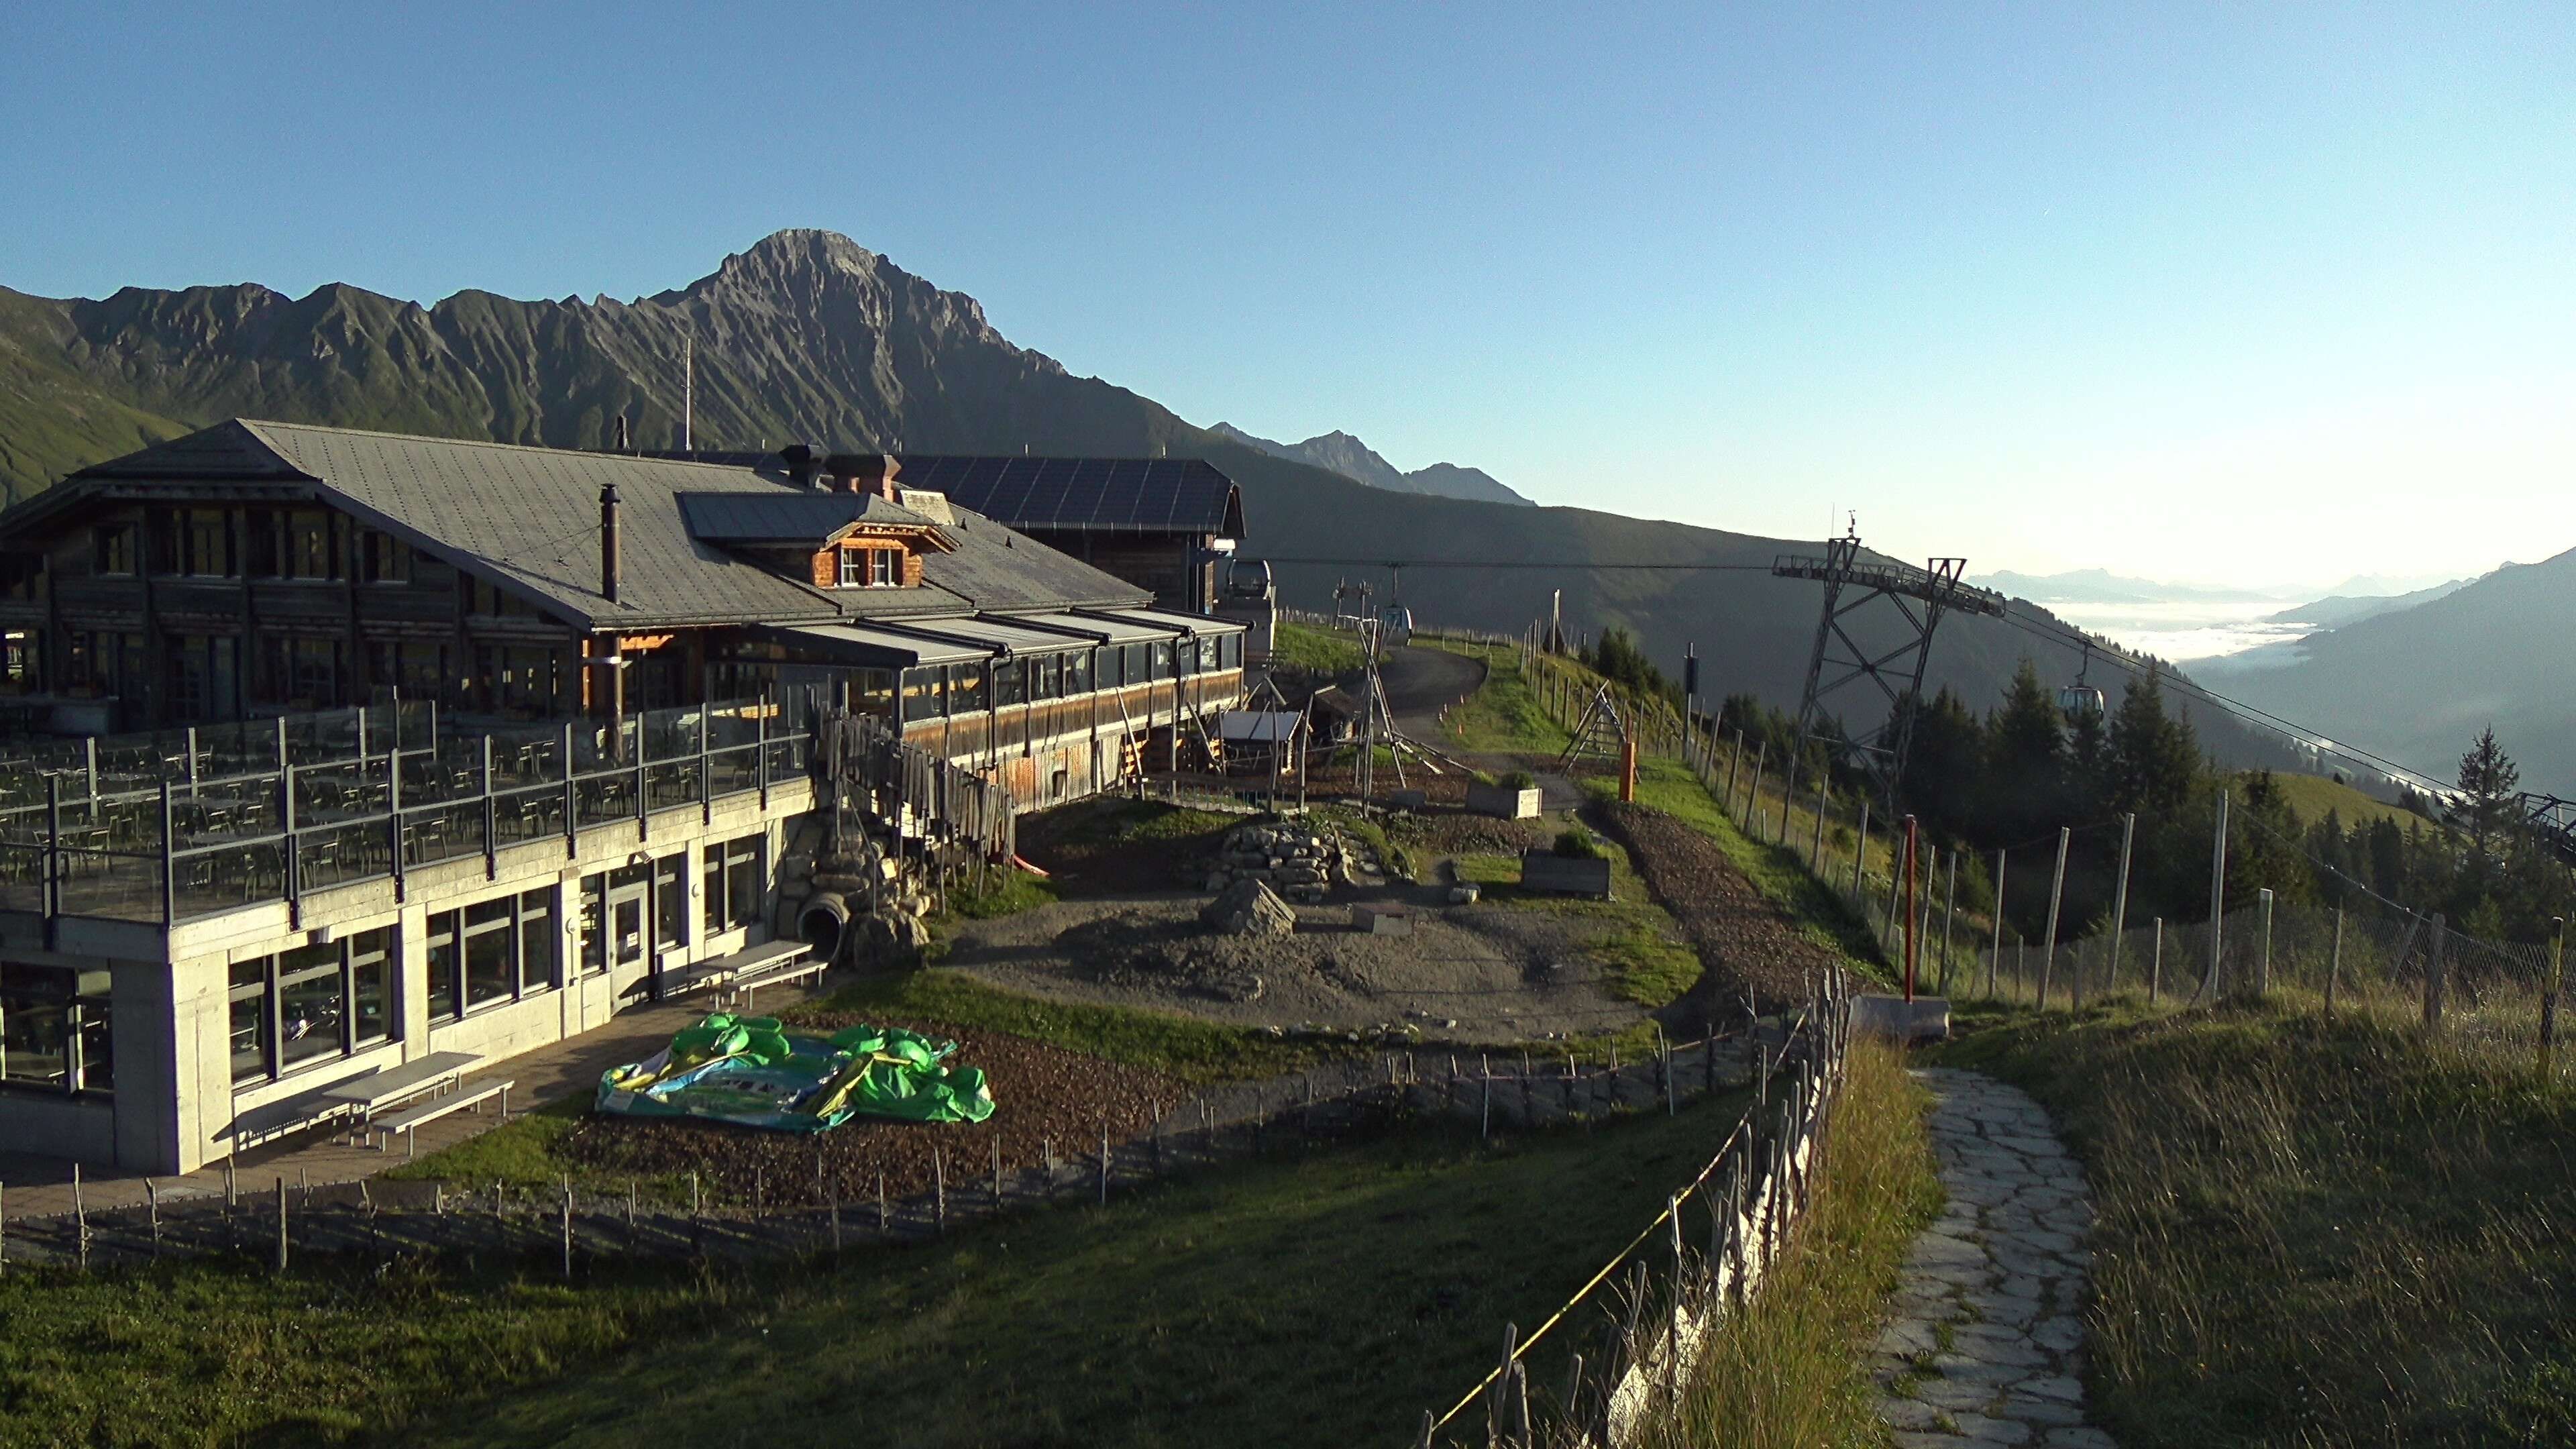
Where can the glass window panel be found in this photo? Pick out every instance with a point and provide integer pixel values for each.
(921, 693)
(1009, 685)
(442, 964)
(311, 1001)
(713, 885)
(1140, 665)
(594, 936)
(965, 689)
(98, 1045)
(1162, 659)
(742, 881)
(671, 902)
(371, 986)
(1077, 673)
(250, 1036)
(538, 938)
(35, 1025)
(488, 964)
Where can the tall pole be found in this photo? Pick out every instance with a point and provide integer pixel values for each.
(1911, 943)
(2549, 998)
(2120, 903)
(688, 392)
(1949, 918)
(1995, 962)
(2217, 899)
(1824, 797)
(2056, 895)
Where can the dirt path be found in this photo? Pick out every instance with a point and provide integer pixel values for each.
(1421, 682)
(1986, 1344)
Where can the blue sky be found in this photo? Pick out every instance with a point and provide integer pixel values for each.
(2258, 294)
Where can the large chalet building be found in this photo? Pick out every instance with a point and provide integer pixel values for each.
(324, 752)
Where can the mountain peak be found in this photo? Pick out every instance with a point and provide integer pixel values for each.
(1342, 453)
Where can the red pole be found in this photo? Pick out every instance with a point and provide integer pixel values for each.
(1910, 942)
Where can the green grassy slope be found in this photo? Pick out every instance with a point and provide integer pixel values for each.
(2312, 1230)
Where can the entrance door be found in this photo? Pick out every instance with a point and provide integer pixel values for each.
(628, 920)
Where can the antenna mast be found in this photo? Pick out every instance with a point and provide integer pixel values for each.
(688, 390)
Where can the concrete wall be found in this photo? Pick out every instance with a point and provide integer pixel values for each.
(175, 1104)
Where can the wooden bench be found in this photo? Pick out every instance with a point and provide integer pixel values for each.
(436, 1107)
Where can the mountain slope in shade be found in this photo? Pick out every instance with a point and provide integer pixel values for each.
(808, 336)
(1357, 461)
(2418, 684)
(2336, 610)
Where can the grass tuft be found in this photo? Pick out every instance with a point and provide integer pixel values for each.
(1793, 1369)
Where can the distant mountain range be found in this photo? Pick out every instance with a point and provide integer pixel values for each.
(2336, 610)
(1360, 463)
(2416, 683)
(2100, 586)
(807, 336)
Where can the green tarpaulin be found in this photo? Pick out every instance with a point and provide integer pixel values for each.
(750, 1071)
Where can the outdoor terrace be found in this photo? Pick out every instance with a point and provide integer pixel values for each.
(177, 825)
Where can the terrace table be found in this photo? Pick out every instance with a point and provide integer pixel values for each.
(378, 1090)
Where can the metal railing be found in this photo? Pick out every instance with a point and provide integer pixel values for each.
(172, 828)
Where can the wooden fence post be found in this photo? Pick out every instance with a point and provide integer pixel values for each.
(2334, 962)
(2433, 973)
(281, 1223)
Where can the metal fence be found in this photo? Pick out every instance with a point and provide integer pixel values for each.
(177, 825)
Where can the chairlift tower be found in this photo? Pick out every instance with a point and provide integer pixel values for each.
(1914, 600)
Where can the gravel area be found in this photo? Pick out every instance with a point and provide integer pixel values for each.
(1745, 940)
(1499, 973)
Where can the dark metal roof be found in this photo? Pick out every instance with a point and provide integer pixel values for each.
(528, 519)
(783, 516)
(1081, 495)
(1114, 495)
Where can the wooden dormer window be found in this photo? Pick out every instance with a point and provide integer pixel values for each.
(871, 568)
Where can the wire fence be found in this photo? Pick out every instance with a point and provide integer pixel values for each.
(1703, 1257)
(591, 1222)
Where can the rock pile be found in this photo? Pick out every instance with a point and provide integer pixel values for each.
(1297, 863)
(1249, 908)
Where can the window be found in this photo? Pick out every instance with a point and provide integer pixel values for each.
(1109, 667)
(315, 1002)
(54, 1029)
(594, 914)
(1046, 677)
(200, 678)
(305, 549)
(871, 692)
(1185, 657)
(871, 568)
(442, 965)
(113, 548)
(671, 902)
(540, 944)
(305, 671)
(1010, 685)
(1140, 664)
(732, 884)
(854, 567)
(196, 542)
(383, 558)
(966, 693)
(1077, 673)
(493, 951)
(418, 670)
(310, 1003)
(1162, 659)
(921, 693)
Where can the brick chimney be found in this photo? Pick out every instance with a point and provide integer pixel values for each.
(868, 473)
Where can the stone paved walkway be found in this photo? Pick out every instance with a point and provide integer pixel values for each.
(1986, 1345)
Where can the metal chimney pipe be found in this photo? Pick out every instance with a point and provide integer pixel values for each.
(608, 563)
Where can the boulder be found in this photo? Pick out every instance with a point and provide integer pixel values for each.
(1249, 908)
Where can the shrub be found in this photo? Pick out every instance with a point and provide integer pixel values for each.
(1516, 780)
(1576, 843)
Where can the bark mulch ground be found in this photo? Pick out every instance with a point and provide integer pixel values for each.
(1746, 941)
(1043, 1096)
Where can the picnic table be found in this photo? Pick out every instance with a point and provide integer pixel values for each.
(749, 968)
(375, 1091)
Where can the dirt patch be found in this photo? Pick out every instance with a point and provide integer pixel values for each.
(1042, 1095)
(1746, 941)
(1117, 846)
(1500, 974)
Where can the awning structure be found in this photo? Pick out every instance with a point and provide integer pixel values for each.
(1115, 628)
(1000, 635)
(1167, 622)
(872, 648)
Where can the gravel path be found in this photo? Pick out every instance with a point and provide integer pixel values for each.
(1986, 1345)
